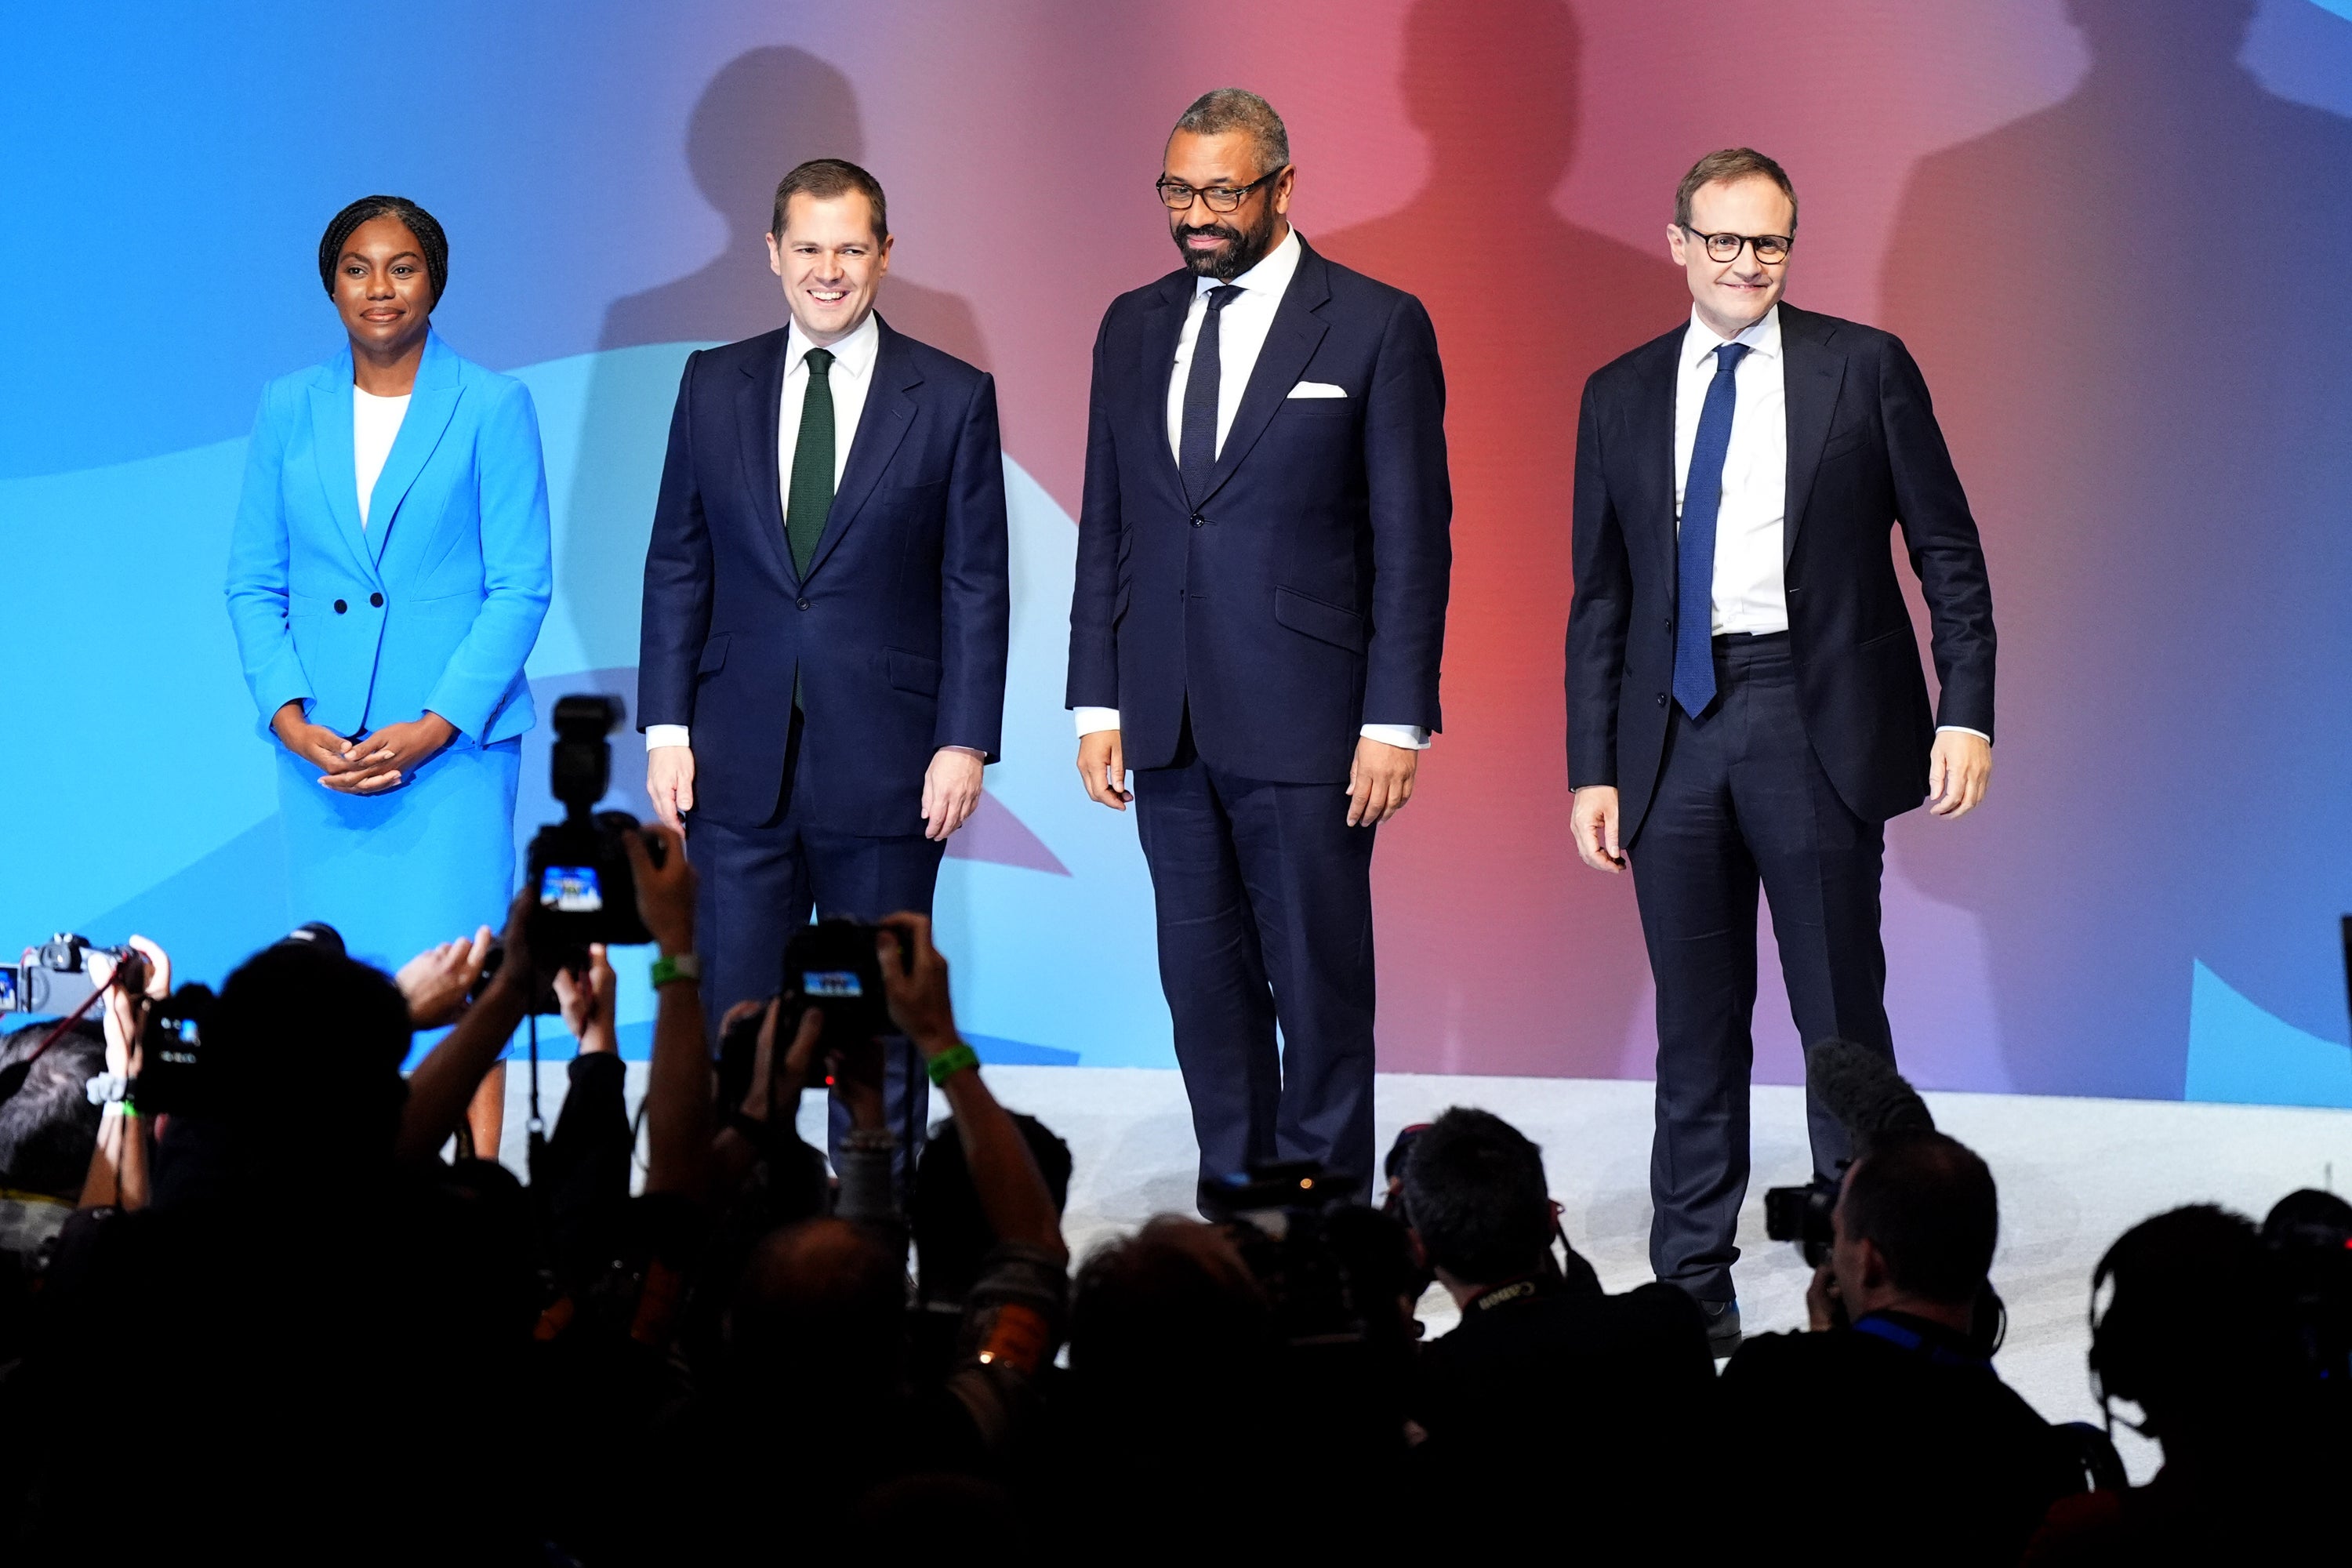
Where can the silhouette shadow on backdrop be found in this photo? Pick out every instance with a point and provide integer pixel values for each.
(766, 110)
(1527, 305)
(2130, 308)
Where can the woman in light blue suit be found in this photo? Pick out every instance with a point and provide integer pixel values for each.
(389, 571)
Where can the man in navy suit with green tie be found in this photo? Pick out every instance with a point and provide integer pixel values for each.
(821, 675)
(1744, 703)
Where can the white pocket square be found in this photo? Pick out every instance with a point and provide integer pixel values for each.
(1318, 389)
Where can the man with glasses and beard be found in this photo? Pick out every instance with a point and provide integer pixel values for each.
(1256, 630)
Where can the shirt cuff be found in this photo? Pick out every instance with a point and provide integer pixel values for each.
(1093, 719)
(665, 735)
(1964, 729)
(1412, 737)
(967, 751)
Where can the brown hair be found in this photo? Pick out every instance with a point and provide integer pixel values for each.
(1732, 164)
(823, 179)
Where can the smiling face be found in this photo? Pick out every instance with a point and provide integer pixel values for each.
(381, 288)
(831, 261)
(1733, 295)
(1225, 245)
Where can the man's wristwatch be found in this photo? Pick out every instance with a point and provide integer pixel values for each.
(672, 966)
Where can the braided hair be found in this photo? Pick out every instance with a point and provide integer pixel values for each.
(430, 239)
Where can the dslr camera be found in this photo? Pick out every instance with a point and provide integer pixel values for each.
(830, 965)
(579, 867)
(53, 979)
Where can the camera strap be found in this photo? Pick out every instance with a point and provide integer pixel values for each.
(1911, 1340)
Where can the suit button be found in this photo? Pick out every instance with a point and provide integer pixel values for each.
(1670, 625)
(800, 604)
(377, 600)
(1197, 520)
(1662, 699)
(340, 607)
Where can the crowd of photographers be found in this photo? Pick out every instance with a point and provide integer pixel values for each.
(247, 1305)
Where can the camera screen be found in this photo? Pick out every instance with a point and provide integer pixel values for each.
(831, 983)
(9, 1002)
(571, 890)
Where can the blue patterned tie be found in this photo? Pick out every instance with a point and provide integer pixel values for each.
(1695, 554)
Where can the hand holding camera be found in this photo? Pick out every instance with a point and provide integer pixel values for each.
(915, 983)
(665, 885)
(587, 1003)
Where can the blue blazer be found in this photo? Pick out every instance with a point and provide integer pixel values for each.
(1865, 456)
(1303, 595)
(434, 604)
(899, 635)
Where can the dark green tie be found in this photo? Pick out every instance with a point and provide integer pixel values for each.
(812, 498)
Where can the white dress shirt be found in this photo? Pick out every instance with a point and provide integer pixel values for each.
(1241, 327)
(1749, 593)
(850, 375)
(375, 426)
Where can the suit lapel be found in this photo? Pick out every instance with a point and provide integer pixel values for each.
(1813, 373)
(1290, 343)
(1163, 328)
(759, 403)
(888, 415)
(431, 403)
(1653, 432)
(330, 443)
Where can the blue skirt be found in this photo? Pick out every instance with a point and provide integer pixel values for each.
(395, 873)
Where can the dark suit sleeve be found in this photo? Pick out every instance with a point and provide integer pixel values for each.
(1942, 538)
(975, 593)
(1094, 593)
(1598, 614)
(1412, 511)
(677, 578)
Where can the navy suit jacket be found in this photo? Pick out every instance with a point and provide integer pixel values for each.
(1865, 455)
(1303, 594)
(897, 635)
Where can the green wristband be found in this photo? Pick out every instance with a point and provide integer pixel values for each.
(952, 1061)
(682, 966)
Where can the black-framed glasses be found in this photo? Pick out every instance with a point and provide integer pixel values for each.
(1771, 249)
(1178, 195)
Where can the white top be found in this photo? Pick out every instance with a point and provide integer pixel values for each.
(375, 424)
(1241, 327)
(850, 377)
(1750, 590)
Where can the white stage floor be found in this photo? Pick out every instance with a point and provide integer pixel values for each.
(2073, 1174)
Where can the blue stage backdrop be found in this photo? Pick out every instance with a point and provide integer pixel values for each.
(2112, 231)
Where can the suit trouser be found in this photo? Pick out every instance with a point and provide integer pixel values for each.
(1742, 799)
(759, 885)
(1264, 903)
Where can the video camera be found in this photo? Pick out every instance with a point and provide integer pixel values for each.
(1333, 1270)
(53, 979)
(1861, 1087)
(580, 866)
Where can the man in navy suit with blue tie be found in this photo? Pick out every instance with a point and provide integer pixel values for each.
(821, 677)
(1745, 702)
(1256, 630)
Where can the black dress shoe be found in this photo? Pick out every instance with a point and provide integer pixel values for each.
(1722, 1327)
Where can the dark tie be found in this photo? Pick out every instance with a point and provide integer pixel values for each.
(1694, 555)
(1196, 444)
(811, 499)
